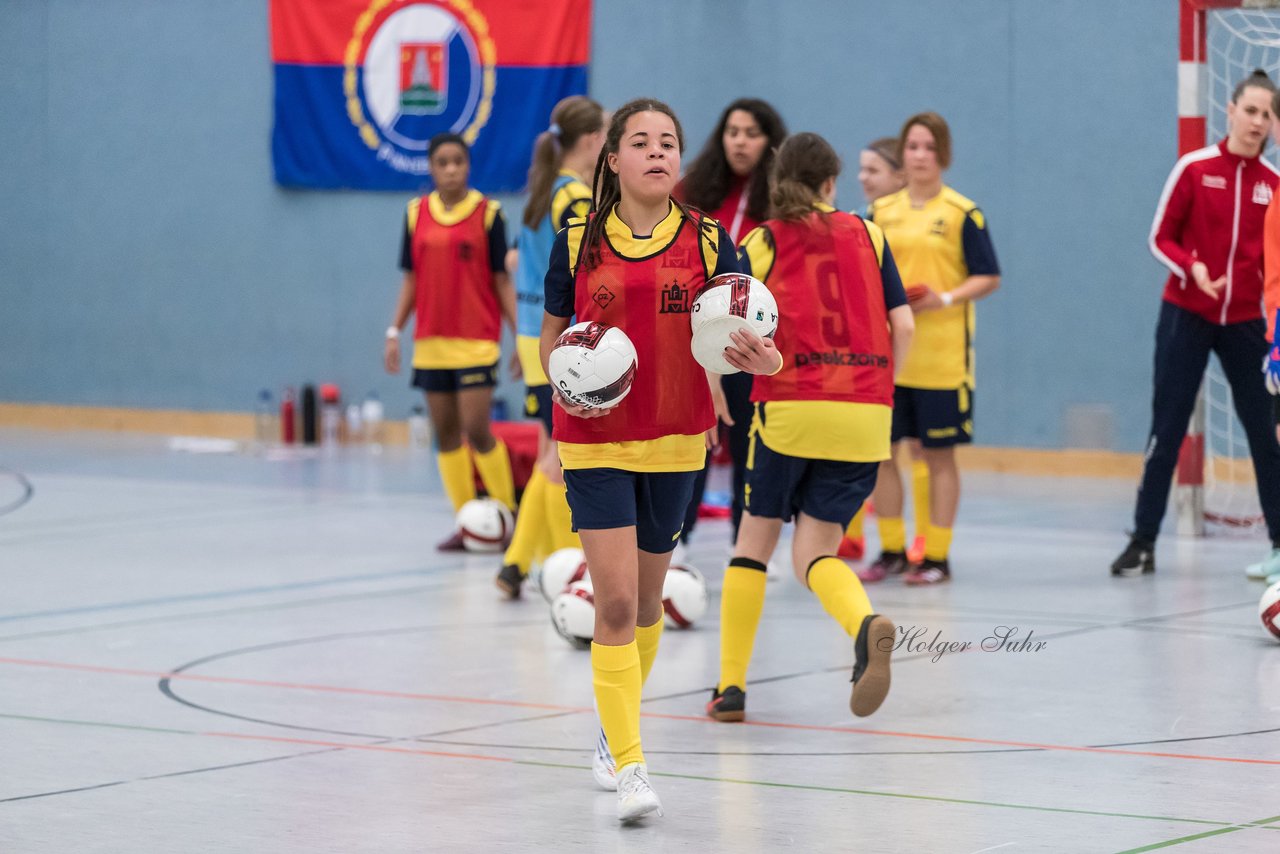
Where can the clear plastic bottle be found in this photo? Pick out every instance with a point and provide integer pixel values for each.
(355, 424)
(264, 420)
(330, 414)
(372, 413)
(419, 428)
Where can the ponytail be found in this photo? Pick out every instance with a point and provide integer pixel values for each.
(803, 164)
(571, 119)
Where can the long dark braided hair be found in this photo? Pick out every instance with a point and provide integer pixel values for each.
(606, 189)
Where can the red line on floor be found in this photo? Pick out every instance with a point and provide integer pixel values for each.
(405, 695)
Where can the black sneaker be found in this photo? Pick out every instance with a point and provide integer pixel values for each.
(871, 653)
(509, 580)
(889, 563)
(731, 705)
(928, 572)
(1138, 558)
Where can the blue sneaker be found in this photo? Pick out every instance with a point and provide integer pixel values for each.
(1268, 568)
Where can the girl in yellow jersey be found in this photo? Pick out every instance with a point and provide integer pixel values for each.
(562, 155)
(821, 424)
(947, 262)
(453, 254)
(879, 173)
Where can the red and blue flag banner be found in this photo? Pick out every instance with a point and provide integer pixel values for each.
(361, 86)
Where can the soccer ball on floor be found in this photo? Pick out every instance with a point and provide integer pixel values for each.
(593, 365)
(1269, 610)
(725, 304)
(684, 596)
(485, 525)
(573, 613)
(559, 570)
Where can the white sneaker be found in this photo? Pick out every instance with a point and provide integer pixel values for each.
(772, 573)
(636, 798)
(680, 554)
(602, 765)
(1266, 568)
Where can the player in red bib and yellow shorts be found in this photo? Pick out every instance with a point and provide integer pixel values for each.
(822, 424)
(635, 263)
(453, 255)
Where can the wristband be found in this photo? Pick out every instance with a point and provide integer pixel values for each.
(947, 299)
(393, 332)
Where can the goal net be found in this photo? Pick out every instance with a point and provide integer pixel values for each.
(1237, 40)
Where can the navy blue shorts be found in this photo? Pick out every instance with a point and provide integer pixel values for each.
(939, 418)
(537, 404)
(654, 502)
(780, 486)
(455, 379)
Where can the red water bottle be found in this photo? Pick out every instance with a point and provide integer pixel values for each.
(288, 436)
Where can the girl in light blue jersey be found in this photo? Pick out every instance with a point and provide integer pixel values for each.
(563, 153)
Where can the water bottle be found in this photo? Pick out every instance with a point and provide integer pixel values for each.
(372, 414)
(330, 414)
(355, 425)
(288, 418)
(264, 428)
(309, 414)
(419, 428)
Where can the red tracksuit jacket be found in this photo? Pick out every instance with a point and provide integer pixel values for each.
(1212, 210)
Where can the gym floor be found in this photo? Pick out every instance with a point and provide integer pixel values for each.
(248, 653)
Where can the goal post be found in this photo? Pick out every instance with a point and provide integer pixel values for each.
(1220, 42)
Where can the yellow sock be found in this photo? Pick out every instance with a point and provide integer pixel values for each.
(495, 472)
(893, 534)
(615, 672)
(920, 495)
(937, 543)
(560, 519)
(741, 601)
(530, 524)
(455, 473)
(854, 531)
(647, 638)
(840, 592)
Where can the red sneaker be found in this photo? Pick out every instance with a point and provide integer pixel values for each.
(851, 548)
(915, 553)
(452, 543)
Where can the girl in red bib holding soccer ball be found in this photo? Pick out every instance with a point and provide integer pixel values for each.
(635, 263)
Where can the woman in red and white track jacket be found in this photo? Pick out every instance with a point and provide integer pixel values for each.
(1208, 231)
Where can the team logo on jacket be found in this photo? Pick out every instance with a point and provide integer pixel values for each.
(1262, 193)
(416, 68)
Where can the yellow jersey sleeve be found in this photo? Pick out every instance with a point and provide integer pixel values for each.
(411, 213)
(757, 253)
(570, 202)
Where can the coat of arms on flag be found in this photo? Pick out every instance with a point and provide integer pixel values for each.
(363, 85)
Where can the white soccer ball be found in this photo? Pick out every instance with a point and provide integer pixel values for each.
(485, 524)
(727, 303)
(573, 613)
(593, 365)
(559, 570)
(1269, 610)
(684, 596)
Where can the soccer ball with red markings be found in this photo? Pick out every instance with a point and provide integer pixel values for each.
(1269, 610)
(573, 613)
(684, 596)
(727, 303)
(559, 570)
(593, 365)
(485, 525)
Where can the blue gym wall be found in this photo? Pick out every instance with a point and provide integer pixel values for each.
(147, 259)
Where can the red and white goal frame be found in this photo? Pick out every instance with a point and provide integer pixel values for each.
(1214, 485)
